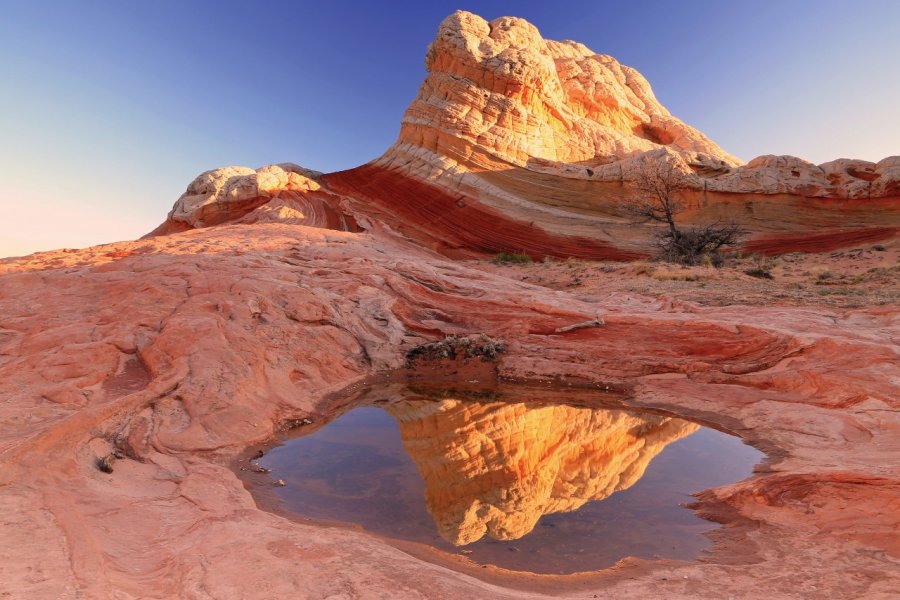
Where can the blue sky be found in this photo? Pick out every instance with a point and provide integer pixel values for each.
(109, 109)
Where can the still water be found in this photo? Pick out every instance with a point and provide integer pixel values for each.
(523, 486)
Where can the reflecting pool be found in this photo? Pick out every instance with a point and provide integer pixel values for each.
(526, 486)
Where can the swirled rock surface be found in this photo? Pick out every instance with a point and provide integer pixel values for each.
(181, 350)
(495, 469)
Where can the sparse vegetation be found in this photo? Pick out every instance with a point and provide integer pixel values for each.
(840, 292)
(660, 183)
(511, 258)
(106, 463)
(792, 282)
(678, 274)
(824, 277)
(453, 346)
(762, 269)
(759, 273)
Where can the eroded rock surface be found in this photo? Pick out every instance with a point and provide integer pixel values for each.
(237, 328)
(284, 193)
(503, 88)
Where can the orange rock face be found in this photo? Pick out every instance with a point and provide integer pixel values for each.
(495, 469)
(502, 88)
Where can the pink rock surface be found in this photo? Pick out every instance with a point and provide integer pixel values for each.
(182, 350)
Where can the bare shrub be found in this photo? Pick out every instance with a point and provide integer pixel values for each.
(511, 258)
(660, 182)
(453, 346)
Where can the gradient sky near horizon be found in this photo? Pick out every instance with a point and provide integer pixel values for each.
(109, 109)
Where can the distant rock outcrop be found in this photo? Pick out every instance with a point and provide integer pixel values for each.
(517, 143)
(283, 193)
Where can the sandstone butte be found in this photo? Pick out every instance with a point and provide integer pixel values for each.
(267, 291)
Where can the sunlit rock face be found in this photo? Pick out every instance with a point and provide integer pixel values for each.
(282, 193)
(501, 86)
(212, 193)
(499, 96)
(518, 143)
(495, 469)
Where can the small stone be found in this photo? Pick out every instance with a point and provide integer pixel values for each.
(280, 483)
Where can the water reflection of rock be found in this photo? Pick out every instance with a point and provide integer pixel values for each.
(497, 468)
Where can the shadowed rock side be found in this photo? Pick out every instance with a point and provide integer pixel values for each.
(459, 226)
(495, 469)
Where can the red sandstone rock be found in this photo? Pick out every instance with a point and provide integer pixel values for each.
(181, 350)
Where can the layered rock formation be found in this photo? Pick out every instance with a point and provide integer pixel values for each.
(285, 193)
(516, 143)
(495, 469)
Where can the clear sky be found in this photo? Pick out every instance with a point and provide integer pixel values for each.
(109, 109)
